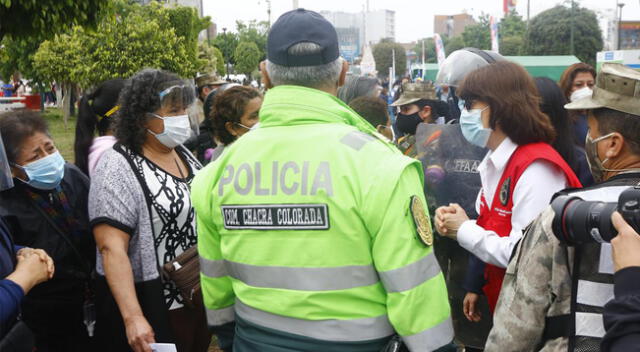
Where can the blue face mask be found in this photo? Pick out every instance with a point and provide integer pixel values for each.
(472, 128)
(46, 173)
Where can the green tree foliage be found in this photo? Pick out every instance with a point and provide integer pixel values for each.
(512, 25)
(550, 33)
(429, 50)
(221, 68)
(382, 53)
(478, 35)
(207, 60)
(512, 46)
(187, 25)
(16, 55)
(511, 33)
(60, 59)
(247, 57)
(450, 45)
(254, 32)
(140, 36)
(227, 43)
(453, 44)
(35, 18)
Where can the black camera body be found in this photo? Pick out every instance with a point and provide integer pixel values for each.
(578, 221)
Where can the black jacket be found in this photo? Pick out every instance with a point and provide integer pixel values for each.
(30, 228)
(622, 314)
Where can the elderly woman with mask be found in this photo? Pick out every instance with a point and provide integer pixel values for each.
(47, 209)
(142, 218)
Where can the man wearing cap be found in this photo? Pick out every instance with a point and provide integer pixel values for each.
(417, 104)
(205, 84)
(553, 295)
(312, 229)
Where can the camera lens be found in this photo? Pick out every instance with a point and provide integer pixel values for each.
(578, 221)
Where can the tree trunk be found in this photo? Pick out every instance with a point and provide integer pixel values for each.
(58, 95)
(66, 101)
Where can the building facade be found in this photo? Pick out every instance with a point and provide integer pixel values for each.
(451, 25)
(357, 29)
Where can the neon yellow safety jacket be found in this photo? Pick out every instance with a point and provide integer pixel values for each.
(306, 226)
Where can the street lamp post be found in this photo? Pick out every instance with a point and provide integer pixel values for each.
(620, 5)
(224, 31)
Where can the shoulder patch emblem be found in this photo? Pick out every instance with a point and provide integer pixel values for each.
(421, 220)
(504, 191)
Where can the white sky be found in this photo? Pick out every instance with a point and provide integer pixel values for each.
(414, 18)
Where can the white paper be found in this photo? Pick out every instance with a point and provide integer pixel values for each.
(163, 347)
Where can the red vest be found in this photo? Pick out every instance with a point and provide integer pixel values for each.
(498, 218)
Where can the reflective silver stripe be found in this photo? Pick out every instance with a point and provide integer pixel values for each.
(412, 275)
(304, 279)
(431, 339)
(356, 139)
(216, 317)
(331, 330)
(605, 266)
(594, 293)
(213, 268)
(589, 324)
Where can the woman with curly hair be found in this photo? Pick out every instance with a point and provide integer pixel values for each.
(142, 218)
(235, 112)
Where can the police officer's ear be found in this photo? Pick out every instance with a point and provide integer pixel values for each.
(615, 146)
(266, 81)
(426, 114)
(343, 73)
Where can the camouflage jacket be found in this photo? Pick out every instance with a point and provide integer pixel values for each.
(537, 284)
(407, 145)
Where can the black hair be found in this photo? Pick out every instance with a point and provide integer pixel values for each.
(373, 109)
(228, 106)
(628, 125)
(16, 126)
(140, 97)
(92, 112)
(552, 102)
(438, 108)
(201, 88)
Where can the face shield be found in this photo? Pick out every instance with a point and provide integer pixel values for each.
(461, 62)
(178, 95)
(6, 180)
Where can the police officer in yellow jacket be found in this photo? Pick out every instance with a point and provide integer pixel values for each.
(312, 229)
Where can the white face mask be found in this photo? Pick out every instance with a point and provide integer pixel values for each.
(581, 93)
(177, 130)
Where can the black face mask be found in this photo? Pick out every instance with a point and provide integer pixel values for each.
(408, 124)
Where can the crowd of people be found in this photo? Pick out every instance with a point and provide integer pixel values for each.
(326, 212)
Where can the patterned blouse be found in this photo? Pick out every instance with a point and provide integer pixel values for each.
(133, 194)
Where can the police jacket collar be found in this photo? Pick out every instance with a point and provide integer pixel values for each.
(297, 105)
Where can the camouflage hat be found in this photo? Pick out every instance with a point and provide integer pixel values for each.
(209, 79)
(617, 88)
(412, 92)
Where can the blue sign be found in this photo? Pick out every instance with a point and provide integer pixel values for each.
(608, 55)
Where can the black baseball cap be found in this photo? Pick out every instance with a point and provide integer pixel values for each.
(300, 26)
